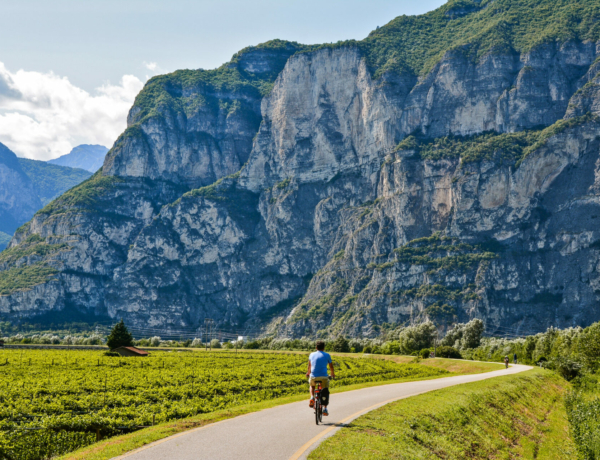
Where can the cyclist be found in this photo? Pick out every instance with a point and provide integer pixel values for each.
(506, 361)
(317, 372)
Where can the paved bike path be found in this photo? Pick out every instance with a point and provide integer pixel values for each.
(289, 431)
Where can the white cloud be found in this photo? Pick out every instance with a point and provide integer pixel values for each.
(43, 115)
(151, 65)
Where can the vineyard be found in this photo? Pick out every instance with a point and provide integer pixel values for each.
(53, 402)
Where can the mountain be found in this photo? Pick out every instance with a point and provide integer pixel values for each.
(4, 240)
(26, 186)
(18, 199)
(85, 156)
(444, 168)
(51, 181)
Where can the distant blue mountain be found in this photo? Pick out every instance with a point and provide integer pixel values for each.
(85, 156)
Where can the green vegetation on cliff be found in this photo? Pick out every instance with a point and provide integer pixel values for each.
(34, 245)
(22, 276)
(507, 148)
(25, 277)
(416, 43)
(188, 90)
(83, 196)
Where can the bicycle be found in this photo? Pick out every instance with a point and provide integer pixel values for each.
(318, 405)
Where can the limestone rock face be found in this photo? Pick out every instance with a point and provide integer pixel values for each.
(195, 147)
(337, 222)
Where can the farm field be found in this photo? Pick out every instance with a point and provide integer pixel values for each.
(55, 401)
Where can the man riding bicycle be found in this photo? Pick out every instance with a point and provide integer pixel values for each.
(317, 371)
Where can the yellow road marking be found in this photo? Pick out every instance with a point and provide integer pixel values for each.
(306, 446)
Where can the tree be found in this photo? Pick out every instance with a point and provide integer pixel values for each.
(341, 345)
(415, 338)
(464, 336)
(119, 337)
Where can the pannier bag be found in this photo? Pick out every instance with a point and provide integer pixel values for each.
(325, 396)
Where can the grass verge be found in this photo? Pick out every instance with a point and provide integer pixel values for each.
(512, 417)
(120, 445)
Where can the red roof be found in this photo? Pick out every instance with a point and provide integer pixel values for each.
(134, 350)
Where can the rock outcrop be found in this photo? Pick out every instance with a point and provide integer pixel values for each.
(299, 191)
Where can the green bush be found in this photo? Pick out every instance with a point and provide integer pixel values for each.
(447, 352)
(252, 345)
(424, 353)
(215, 343)
(567, 368)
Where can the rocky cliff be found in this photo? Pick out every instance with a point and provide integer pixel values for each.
(446, 167)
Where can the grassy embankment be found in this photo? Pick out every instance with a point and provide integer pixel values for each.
(517, 416)
(119, 445)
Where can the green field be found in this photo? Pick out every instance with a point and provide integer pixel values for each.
(55, 401)
(511, 417)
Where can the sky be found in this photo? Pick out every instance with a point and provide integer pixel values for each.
(70, 69)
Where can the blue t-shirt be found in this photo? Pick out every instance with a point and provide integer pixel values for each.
(318, 363)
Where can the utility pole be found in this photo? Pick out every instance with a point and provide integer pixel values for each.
(435, 344)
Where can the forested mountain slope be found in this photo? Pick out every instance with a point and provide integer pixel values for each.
(49, 180)
(18, 199)
(446, 167)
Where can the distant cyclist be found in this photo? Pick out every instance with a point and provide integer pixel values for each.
(317, 372)
(515, 358)
(506, 361)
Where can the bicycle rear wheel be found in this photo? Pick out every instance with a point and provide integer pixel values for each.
(317, 411)
(320, 414)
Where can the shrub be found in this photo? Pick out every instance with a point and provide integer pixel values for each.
(253, 345)
(391, 348)
(567, 368)
(424, 353)
(112, 353)
(447, 352)
(214, 343)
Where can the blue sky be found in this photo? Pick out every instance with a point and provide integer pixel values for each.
(95, 55)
